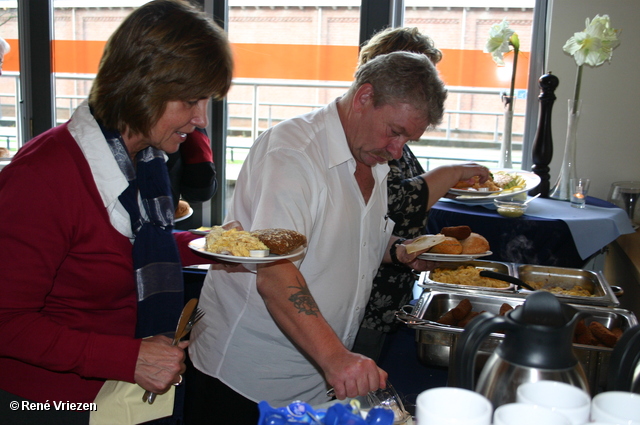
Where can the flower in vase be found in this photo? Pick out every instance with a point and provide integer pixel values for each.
(593, 46)
(501, 40)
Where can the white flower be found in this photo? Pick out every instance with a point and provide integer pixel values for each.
(595, 44)
(499, 41)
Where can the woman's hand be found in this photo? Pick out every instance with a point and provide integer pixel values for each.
(160, 364)
(412, 260)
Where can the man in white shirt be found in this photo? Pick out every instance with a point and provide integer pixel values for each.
(283, 333)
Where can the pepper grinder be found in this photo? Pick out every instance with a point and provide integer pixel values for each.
(543, 143)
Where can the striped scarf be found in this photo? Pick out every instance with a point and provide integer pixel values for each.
(156, 260)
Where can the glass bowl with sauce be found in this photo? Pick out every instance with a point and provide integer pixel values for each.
(510, 209)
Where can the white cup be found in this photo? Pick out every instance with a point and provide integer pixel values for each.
(571, 401)
(616, 407)
(452, 406)
(527, 414)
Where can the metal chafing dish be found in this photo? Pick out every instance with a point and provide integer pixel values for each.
(425, 280)
(567, 278)
(563, 277)
(436, 343)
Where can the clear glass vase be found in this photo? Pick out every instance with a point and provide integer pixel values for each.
(568, 168)
(505, 142)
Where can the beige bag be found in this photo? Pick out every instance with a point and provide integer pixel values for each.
(120, 403)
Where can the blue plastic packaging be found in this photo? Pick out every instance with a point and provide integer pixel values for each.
(300, 412)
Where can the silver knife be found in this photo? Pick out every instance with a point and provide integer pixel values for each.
(186, 314)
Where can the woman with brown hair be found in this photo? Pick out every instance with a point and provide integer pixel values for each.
(90, 265)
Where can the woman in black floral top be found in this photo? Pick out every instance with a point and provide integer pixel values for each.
(411, 193)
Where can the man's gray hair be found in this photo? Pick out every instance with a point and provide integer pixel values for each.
(403, 77)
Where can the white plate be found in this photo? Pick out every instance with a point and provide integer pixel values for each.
(531, 181)
(472, 192)
(452, 257)
(198, 246)
(184, 217)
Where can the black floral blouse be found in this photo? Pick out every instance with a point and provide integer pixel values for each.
(408, 197)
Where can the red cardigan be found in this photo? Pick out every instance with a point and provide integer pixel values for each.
(67, 294)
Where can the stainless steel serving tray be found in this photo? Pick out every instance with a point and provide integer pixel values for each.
(563, 277)
(495, 266)
(567, 278)
(436, 342)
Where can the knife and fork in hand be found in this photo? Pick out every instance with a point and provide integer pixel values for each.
(189, 317)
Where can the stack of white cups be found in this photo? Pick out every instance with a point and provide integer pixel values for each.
(537, 403)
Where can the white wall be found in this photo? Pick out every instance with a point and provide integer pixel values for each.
(609, 129)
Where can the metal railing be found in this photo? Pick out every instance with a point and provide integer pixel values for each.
(450, 139)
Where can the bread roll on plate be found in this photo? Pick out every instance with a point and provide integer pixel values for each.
(474, 244)
(448, 246)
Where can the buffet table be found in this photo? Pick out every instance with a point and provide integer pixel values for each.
(551, 232)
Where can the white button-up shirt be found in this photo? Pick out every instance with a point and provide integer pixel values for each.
(299, 175)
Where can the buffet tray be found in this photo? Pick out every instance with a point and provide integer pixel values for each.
(425, 280)
(436, 343)
(564, 277)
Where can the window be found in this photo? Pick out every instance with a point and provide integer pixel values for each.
(80, 33)
(289, 60)
(473, 123)
(9, 81)
(296, 55)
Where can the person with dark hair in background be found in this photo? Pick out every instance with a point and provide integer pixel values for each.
(192, 171)
(411, 193)
(91, 271)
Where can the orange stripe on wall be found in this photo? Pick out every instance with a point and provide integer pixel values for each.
(295, 61)
(474, 68)
(468, 68)
(81, 57)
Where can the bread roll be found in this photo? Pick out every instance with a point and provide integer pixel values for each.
(280, 241)
(474, 244)
(182, 209)
(448, 246)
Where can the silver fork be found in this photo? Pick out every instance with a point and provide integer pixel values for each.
(195, 317)
(197, 314)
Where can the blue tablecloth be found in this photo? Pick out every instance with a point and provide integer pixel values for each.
(550, 233)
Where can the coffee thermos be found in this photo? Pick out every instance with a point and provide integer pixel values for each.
(537, 346)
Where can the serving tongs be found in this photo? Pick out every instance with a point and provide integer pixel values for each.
(506, 278)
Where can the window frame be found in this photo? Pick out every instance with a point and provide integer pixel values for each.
(36, 34)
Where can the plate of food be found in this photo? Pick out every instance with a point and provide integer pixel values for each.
(202, 230)
(452, 257)
(256, 247)
(503, 183)
(455, 243)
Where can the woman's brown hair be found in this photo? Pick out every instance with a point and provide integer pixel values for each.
(165, 50)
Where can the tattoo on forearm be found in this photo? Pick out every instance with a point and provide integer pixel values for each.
(303, 301)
